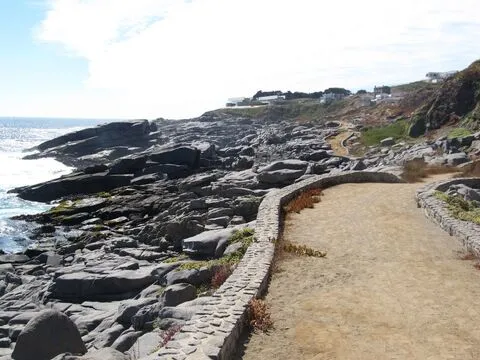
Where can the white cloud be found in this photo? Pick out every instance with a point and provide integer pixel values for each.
(150, 58)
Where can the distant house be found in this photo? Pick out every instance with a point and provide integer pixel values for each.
(270, 99)
(330, 97)
(435, 77)
(236, 101)
(378, 90)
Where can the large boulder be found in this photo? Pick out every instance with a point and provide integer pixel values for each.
(208, 243)
(88, 141)
(279, 177)
(291, 164)
(47, 335)
(456, 158)
(72, 185)
(128, 165)
(282, 172)
(182, 155)
(117, 285)
(178, 293)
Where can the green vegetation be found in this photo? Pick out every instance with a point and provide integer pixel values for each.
(244, 236)
(459, 208)
(250, 112)
(415, 86)
(373, 136)
(459, 132)
(63, 206)
(302, 250)
(104, 194)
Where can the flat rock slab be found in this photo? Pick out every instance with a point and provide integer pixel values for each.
(86, 286)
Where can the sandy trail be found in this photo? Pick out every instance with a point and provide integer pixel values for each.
(393, 285)
(336, 143)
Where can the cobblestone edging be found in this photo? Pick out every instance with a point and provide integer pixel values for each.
(213, 332)
(436, 210)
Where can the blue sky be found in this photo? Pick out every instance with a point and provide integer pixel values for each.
(27, 66)
(177, 58)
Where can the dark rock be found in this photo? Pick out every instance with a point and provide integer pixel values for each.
(194, 277)
(72, 185)
(47, 335)
(80, 286)
(146, 179)
(176, 294)
(128, 165)
(129, 308)
(279, 177)
(205, 243)
(126, 340)
(93, 169)
(188, 156)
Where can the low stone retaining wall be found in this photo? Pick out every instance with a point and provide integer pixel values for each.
(214, 331)
(436, 210)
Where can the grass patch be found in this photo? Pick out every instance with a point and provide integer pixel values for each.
(306, 199)
(418, 169)
(259, 318)
(63, 206)
(458, 133)
(459, 208)
(244, 236)
(104, 194)
(397, 130)
(302, 250)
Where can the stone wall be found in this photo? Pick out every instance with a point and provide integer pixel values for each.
(214, 331)
(436, 210)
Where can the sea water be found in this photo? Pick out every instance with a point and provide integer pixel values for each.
(17, 137)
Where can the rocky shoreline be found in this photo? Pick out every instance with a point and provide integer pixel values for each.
(153, 213)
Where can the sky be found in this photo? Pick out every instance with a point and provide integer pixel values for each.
(180, 58)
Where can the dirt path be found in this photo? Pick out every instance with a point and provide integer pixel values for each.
(393, 285)
(336, 143)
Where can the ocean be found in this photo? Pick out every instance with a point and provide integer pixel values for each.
(17, 136)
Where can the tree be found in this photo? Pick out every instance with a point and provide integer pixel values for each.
(360, 92)
(336, 90)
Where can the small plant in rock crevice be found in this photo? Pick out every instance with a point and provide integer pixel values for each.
(220, 274)
(168, 334)
(259, 318)
(306, 199)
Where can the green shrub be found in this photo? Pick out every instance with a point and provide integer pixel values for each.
(459, 208)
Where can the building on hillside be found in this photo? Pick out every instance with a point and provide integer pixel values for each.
(267, 100)
(235, 101)
(330, 97)
(378, 90)
(435, 77)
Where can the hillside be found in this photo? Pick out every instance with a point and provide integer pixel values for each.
(456, 102)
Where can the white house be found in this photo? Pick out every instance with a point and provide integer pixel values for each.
(329, 97)
(235, 101)
(270, 99)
